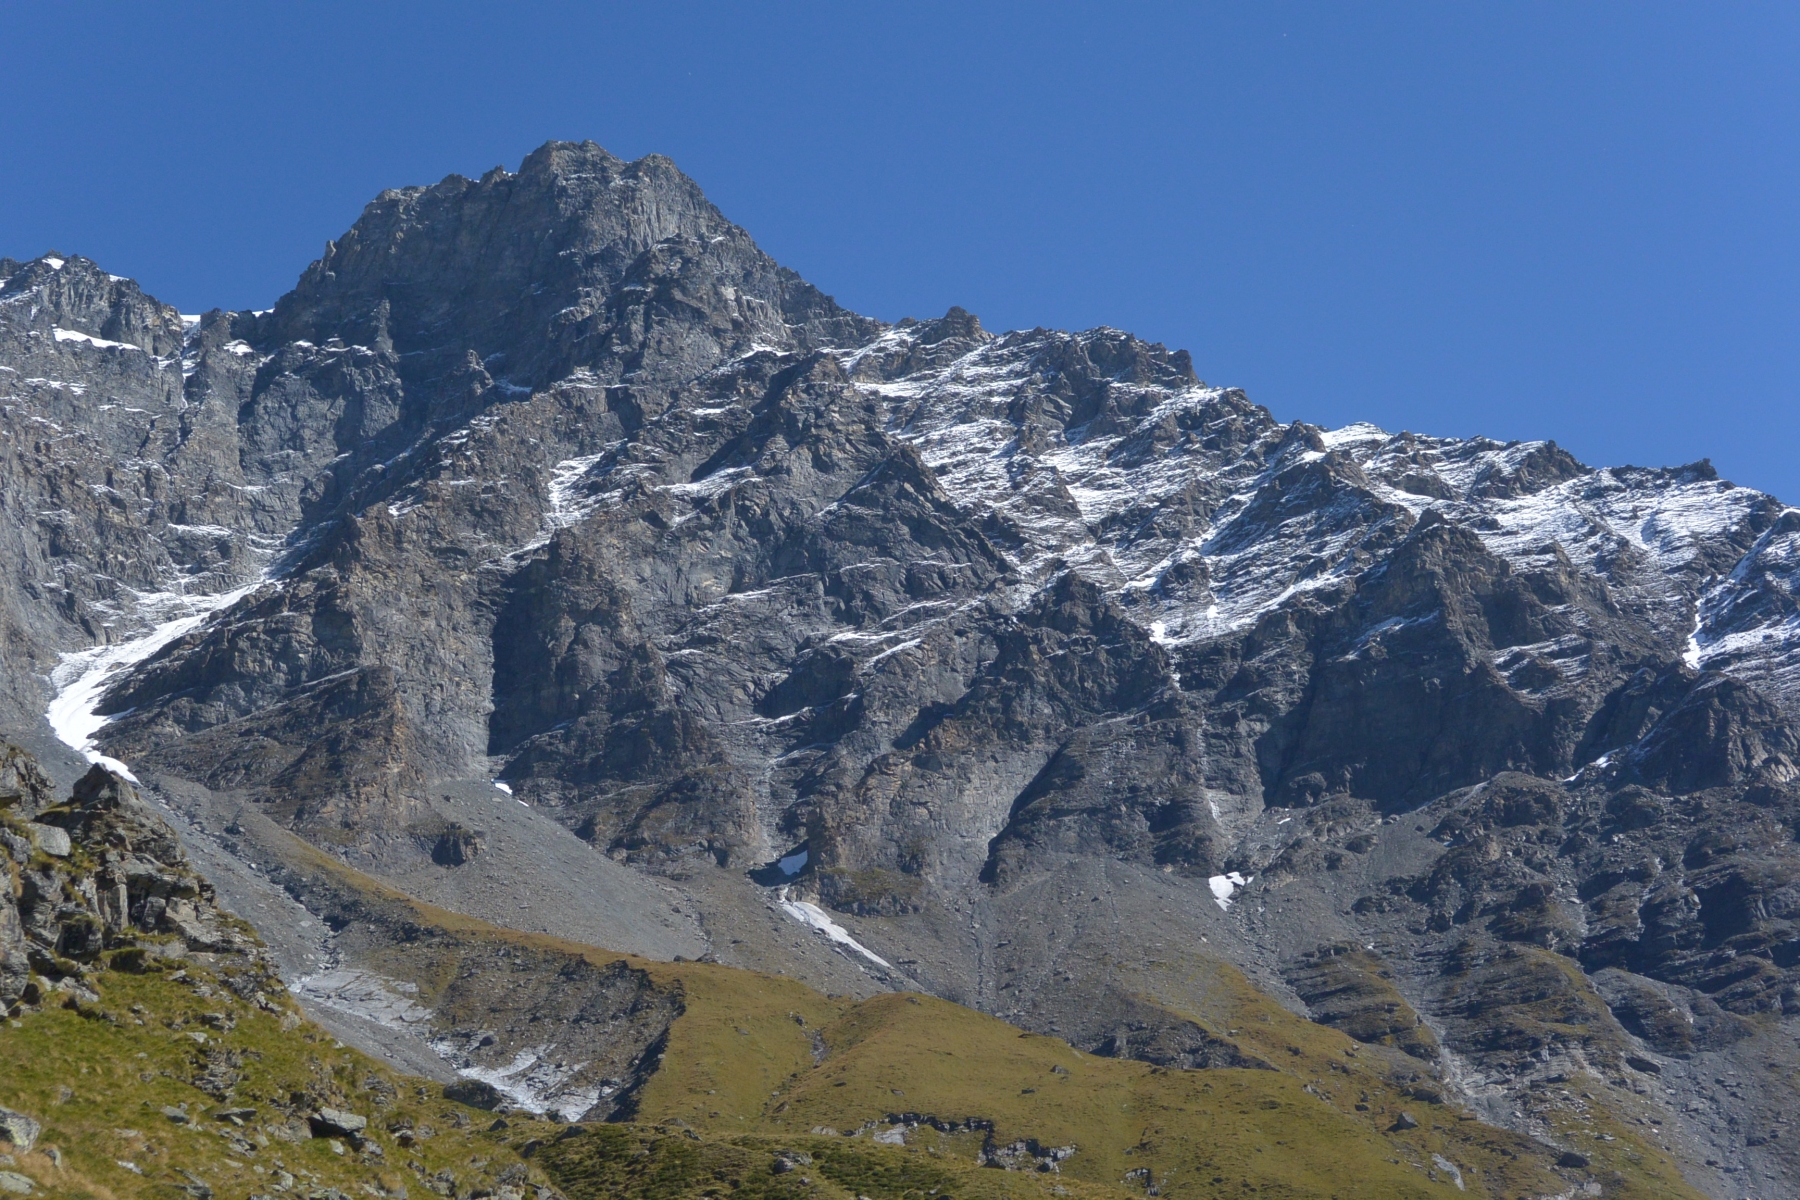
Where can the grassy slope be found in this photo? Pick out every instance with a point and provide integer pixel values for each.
(1625, 1165)
(755, 1063)
(100, 1078)
(657, 1163)
(1295, 1131)
(756, 1055)
(1198, 1133)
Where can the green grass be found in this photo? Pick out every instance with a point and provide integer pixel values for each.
(1197, 1133)
(757, 1056)
(755, 1066)
(664, 1163)
(101, 1078)
(1510, 1164)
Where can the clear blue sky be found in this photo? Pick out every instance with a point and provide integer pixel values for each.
(1567, 220)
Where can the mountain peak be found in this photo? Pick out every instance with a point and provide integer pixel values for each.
(572, 261)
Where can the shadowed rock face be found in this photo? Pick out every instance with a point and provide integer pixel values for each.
(1033, 642)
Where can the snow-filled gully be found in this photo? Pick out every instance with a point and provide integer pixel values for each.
(81, 679)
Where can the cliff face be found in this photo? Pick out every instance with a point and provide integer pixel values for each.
(1030, 667)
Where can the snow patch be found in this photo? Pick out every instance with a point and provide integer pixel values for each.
(566, 507)
(531, 1080)
(908, 644)
(387, 1002)
(1599, 764)
(1225, 886)
(70, 335)
(534, 1083)
(1354, 434)
(814, 917)
(1691, 655)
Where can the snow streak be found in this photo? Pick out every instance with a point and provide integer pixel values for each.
(82, 678)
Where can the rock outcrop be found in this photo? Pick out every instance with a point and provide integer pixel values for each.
(102, 874)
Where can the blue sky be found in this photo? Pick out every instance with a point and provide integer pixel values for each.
(1525, 219)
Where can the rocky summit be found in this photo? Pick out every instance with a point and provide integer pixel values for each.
(552, 561)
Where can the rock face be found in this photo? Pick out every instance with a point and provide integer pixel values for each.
(1028, 667)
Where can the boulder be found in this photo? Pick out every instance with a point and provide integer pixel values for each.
(475, 1093)
(50, 839)
(334, 1122)
(18, 1129)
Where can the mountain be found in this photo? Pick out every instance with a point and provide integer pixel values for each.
(552, 557)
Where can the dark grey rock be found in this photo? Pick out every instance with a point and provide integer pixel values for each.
(130, 879)
(476, 1093)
